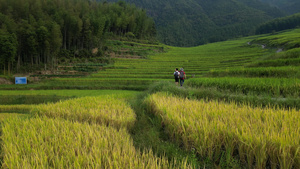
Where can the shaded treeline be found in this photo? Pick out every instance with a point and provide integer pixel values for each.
(39, 32)
(196, 22)
(288, 6)
(279, 24)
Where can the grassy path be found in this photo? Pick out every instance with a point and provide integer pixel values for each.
(148, 133)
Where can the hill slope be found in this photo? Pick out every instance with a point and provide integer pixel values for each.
(289, 6)
(195, 22)
(38, 34)
(279, 24)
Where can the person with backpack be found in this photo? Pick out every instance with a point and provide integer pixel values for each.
(176, 76)
(182, 76)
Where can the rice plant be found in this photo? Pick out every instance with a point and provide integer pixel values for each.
(275, 72)
(260, 137)
(270, 86)
(106, 110)
(52, 143)
(23, 108)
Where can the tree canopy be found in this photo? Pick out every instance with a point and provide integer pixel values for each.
(196, 22)
(35, 32)
(288, 6)
(279, 24)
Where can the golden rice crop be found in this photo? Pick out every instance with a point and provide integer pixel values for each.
(20, 107)
(260, 136)
(107, 110)
(53, 143)
(4, 116)
(271, 86)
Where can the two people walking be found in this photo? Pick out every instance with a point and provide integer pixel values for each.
(179, 75)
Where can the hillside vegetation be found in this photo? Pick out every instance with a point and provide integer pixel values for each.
(288, 6)
(38, 34)
(246, 90)
(279, 24)
(137, 73)
(196, 22)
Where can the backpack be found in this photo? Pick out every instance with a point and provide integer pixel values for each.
(176, 75)
(181, 74)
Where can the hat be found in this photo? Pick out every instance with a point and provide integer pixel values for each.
(181, 69)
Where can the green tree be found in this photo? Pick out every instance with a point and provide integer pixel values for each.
(8, 50)
(45, 30)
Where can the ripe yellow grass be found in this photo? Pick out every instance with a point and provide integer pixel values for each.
(4, 116)
(57, 143)
(20, 107)
(260, 136)
(107, 110)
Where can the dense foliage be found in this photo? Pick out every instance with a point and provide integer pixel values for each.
(195, 22)
(288, 6)
(279, 24)
(40, 32)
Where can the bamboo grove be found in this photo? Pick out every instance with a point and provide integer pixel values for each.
(39, 32)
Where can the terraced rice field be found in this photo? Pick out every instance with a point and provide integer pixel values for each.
(258, 135)
(195, 61)
(76, 134)
(91, 128)
(138, 74)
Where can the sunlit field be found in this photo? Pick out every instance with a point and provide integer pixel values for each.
(238, 108)
(257, 136)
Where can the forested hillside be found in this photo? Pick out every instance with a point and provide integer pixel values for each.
(195, 22)
(37, 33)
(289, 6)
(279, 24)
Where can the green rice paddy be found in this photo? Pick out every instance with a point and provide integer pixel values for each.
(239, 70)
